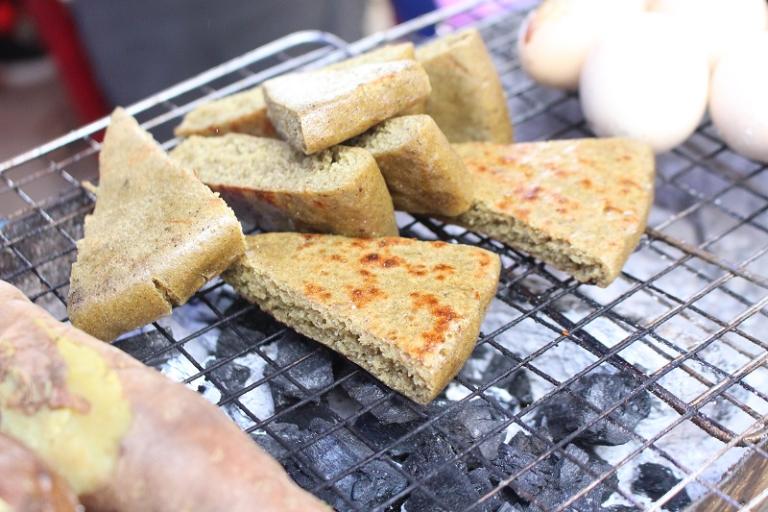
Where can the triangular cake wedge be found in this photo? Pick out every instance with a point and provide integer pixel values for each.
(156, 235)
(407, 311)
(246, 112)
(423, 172)
(339, 190)
(579, 205)
(467, 99)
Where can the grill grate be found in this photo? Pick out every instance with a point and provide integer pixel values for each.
(684, 324)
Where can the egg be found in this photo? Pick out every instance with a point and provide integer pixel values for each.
(647, 81)
(717, 23)
(555, 38)
(738, 101)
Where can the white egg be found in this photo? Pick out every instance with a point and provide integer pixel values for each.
(555, 38)
(738, 102)
(645, 80)
(717, 23)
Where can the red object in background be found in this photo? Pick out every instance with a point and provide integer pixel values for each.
(59, 35)
(7, 16)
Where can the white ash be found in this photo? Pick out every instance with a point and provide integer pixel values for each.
(686, 330)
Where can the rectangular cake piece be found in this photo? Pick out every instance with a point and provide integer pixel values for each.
(315, 110)
(246, 112)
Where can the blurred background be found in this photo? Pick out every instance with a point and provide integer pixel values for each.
(67, 62)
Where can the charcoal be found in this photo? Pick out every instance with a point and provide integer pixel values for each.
(289, 433)
(478, 372)
(250, 328)
(482, 480)
(451, 485)
(508, 507)
(231, 376)
(381, 436)
(313, 373)
(553, 480)
(521, 451)
(364, 389)
(303, 414)
(571, 479)
(567, 411)
(371, 484)
(151, 348)
(473, 420)
(655, 480)
(620, 508)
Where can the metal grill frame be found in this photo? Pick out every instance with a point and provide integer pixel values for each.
(527, 287)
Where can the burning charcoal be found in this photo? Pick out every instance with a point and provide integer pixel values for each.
(481, 479)
(371, 484)
(451, 484)
(473, 420)
(552, 481)
(313, 373)
(290, 434)
(655, 481)
(489, 363)
(521, 451)
(568, 410)
(380, 435)
(508, 507)
(250, 328)
(231, 376)
(148, 347)
(572, 479)
(362, 388)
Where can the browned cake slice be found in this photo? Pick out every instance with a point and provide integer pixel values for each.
(246, 112)
(157, 235)
(315, 110)
(423, 173)
(580, 205)
(407, 311)
(467, 99)
(339, 190)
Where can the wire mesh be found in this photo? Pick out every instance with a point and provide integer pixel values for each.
(683, 324)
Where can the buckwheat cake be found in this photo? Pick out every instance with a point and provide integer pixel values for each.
(467, 100)
(156, 235)
(423, 173)
(339, 190)
(246, 112)
(315, 110)
(408, 311)
(579, 205)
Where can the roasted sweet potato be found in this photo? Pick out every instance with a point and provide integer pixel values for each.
(122, 435)
(28, 485)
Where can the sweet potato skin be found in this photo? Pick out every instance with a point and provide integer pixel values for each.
(176, 452)
(28, 485)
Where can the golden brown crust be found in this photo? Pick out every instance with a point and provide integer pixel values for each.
(316, 110)
(246, 112)
(580, 205)
(406, 310)
(27, 484)
(207, 463)
(467, 100)
(423, 173)
(156, 236)
(339, 191)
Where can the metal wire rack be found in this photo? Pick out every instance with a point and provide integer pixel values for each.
(685, 322)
